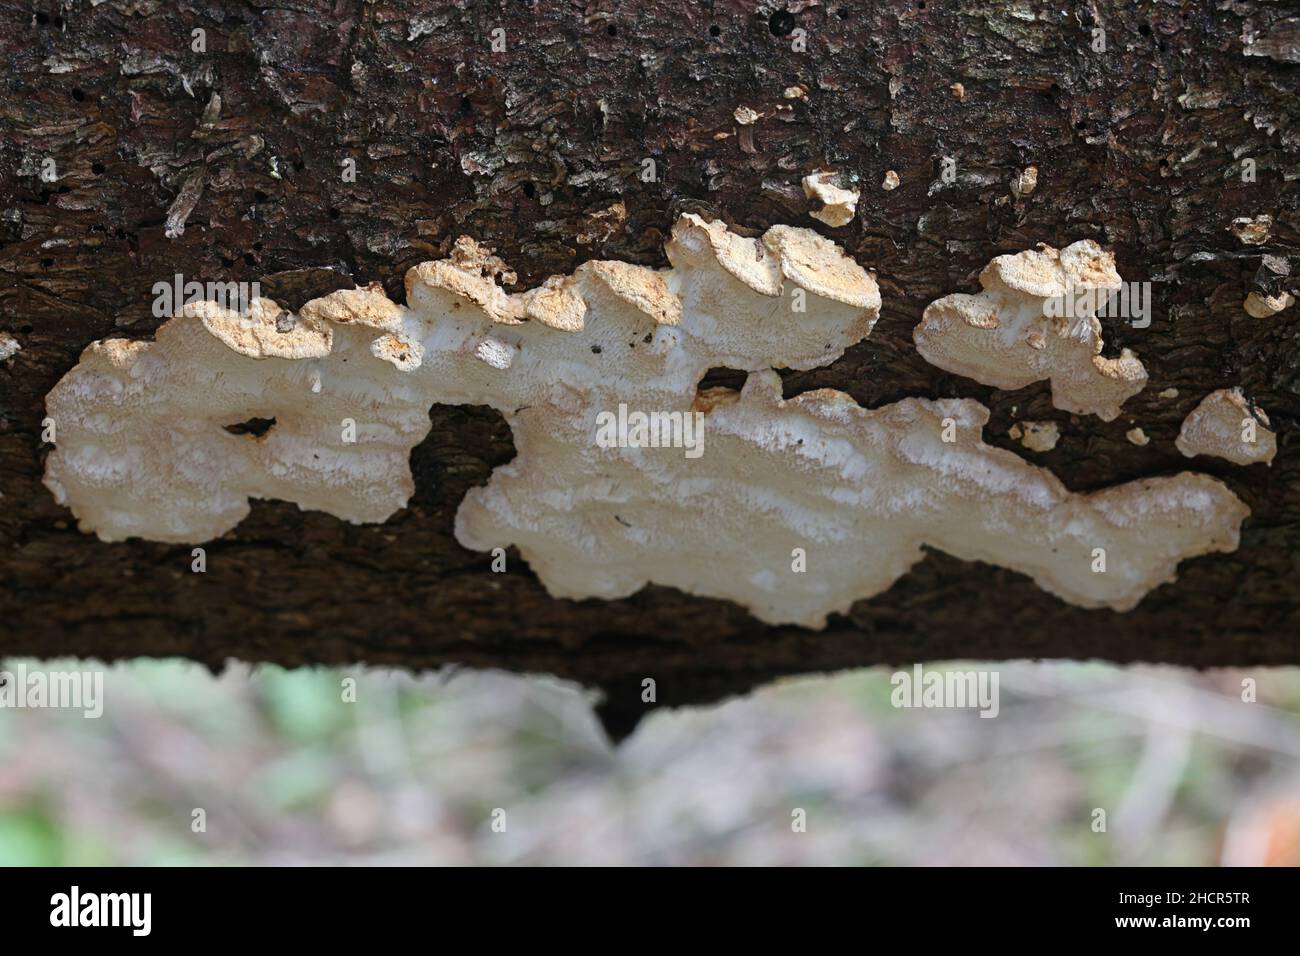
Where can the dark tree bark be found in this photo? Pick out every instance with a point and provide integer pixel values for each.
(537, 151)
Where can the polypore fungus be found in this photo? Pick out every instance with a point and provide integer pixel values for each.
(1026, 181)
(798, 508)
(1227, 426)
(1262, 306)
(1035, 320)
(1036, 436)
(839, 205)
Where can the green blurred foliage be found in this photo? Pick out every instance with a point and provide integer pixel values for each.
(287, 771)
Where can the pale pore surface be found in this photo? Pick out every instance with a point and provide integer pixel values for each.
(141, 449)
(1004, 338)
(1222, 426)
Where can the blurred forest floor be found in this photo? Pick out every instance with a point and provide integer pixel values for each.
(286, 772)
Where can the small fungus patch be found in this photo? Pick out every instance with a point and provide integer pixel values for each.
(1036, 320)
(1227, 426)
(1036, 436)
(838, 205)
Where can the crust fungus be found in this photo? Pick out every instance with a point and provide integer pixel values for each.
(1026, 181)
(1225, 425)
(1262, 306)
(1035, 320)
(860, 491)
(1036, 436)
(839, 206)
(341, 393)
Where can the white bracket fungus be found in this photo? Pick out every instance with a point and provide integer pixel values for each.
(1036, 320)
(144, 449)
(1225, 425)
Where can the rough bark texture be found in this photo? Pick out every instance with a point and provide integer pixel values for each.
(538, 151)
